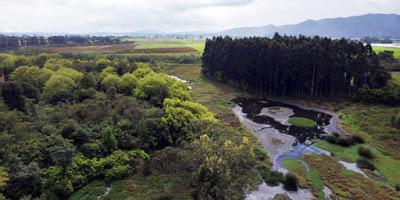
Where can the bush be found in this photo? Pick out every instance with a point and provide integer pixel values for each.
(146, 170)
(166, 197)
(397, 187)
(365, 164)
(366, 153)
(118, 172)
(396, 121)
(344, 142)
(271, 178)
(260, 154)
(331, 139)
(358, 139)
(290, 182)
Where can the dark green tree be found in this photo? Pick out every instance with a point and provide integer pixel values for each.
(12, 96)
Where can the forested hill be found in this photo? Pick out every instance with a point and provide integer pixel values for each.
(294, 66)
(370, 25)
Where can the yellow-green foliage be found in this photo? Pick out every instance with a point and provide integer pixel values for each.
(55, 64)
(102, 63)
(70, 73)
(142, 71)
(179, 113)
(3, 177)
(111, 80)
(32, 75)
(108, 71)
(3, 180)
(58, 85)
(157, 87)
(128, 82)
(221, 165)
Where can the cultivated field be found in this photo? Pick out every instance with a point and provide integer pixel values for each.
(91, 48)
(137, 46)
(196, 44)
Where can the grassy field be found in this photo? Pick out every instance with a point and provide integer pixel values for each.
(133, 46)
(345, 184)
(216, 97)
(138, 187)
(196, 44)
(381, 49)
(387, 166)
(373, 123)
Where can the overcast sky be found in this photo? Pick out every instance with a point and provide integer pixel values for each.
(79, 16)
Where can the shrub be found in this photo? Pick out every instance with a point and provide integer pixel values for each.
(365, 164)
(166, 197)
(397, 187)
(260, 154)
(344, 142)
(336, 134)
(272, 178)
(358, 139)
(146, 170)
(366, 153)
(331, 139)
(290, 182)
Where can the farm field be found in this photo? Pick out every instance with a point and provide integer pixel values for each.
(91, 48)
(196, 44)
(132, 46)
(396, 51)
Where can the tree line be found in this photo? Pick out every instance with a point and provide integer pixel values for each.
(14, 42)
(293, 66)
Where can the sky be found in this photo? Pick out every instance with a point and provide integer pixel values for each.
(85, 16)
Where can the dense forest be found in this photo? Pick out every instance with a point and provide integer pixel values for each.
(68, 121)
(294, 66)
(14, 42)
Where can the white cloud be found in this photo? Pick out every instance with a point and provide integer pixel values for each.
(173, 15)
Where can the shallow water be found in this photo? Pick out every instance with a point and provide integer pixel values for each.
(328, 193)
(353, 167)
(266, 192)
(181, 80)
(257, 111)
(268, 121)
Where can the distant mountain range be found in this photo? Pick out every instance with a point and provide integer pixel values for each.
(369, 25)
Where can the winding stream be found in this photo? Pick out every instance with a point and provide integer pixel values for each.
(268, 120)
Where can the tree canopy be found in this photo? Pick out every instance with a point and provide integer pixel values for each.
(293, 66)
